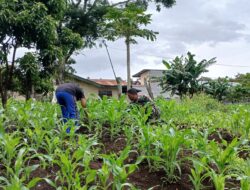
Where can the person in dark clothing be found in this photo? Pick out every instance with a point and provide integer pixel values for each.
(142, 101)
(67, 94)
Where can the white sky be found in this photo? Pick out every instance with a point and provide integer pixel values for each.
(214, 28)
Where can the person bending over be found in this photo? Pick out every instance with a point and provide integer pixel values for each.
(67, 94)
(142, 101)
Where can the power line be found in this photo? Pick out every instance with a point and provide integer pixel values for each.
(232, 65)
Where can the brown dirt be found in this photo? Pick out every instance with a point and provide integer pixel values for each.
(144, 179)
(44, 173)
(113, 146)
(218, 136)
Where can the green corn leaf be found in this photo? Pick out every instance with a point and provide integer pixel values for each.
(33, 182)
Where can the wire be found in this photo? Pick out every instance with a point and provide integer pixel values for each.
(233, 65)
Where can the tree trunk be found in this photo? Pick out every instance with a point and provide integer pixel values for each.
(61, 71)
(119, 86)
(28, 86)
(4, 100)
(128, 63)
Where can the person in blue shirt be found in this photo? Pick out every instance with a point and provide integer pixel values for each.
(67, 94)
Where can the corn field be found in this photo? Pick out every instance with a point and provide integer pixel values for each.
(197, 143)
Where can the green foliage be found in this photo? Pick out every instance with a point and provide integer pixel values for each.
(240, 92)
(181, 76)
(191, 134)
(218, 88)
(243, 79)
(28, 25)
(127, 23)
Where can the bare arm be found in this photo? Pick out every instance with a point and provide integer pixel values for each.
(83, 102)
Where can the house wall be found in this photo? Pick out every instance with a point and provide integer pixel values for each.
(152, 73)
(156, 89)
(89, 89)
(156, 73)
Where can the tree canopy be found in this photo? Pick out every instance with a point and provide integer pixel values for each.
(28, 24)
(127, 23)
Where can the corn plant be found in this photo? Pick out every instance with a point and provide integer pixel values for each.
(130, 133)
(240, 122)
(11, 143)
(113, 112)
(36, 135)
(50, 144)
(71, 163)
(198, 172)
(218, 179)
(222, 158)
(170, 143)
(104, 174)
(146, 138)
(245, 181)
(19, 174)
(243, 172)
(140, 115)
(118, 169)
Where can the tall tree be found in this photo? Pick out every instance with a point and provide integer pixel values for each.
(29, 24)
(181, 76)
(127, 23)
(83, 17)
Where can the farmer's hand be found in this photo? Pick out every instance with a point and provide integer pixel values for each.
(83, 102)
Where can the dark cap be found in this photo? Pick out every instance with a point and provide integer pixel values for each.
(133, 91)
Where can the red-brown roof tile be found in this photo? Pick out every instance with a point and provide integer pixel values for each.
(108, 82)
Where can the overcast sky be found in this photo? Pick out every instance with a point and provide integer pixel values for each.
(207, 28)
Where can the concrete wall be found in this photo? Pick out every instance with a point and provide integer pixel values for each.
(156, 73)
(147, 74)
(156, 89)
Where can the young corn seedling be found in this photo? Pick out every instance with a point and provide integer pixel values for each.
(146, 139)
(243, 169)
(104, 174)
(113, 112)
(72, 164)
(11, 143)
(68, 168)
(171, 143)
(36, 136)
(118, 169)
(222, 158)
(198, 172)
(19, 174)
(218, 179)
(50, 144)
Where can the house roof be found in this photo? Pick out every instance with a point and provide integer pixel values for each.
(108, 82)
(97, 82)
(145, 70)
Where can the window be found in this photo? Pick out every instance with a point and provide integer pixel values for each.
(105, 93)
